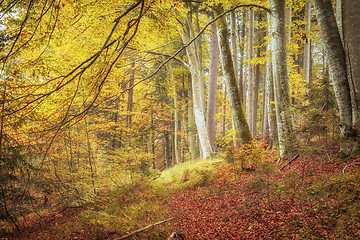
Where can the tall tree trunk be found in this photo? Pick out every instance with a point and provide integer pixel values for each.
(167, 149)
(256, 95)
(234, 56)
(351, 36)
(237, 109)
(192, 126)
(250, 85)
(288, 20)
(233, 43)
(176, 114)
(130, 102)
(280, 77)
(335, 56)
(199, 47)
(197, 89)
(241, 79)
(212, 89)
(269, 101)
(307, 48)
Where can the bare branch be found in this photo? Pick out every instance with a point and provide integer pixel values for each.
(192, 40)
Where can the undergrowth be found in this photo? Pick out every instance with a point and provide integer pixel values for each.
(309, 199)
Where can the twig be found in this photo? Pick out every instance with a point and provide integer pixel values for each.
(350, 164)
(293, 159)
(145, 228)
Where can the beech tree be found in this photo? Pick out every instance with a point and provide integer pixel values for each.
(197, 87)
(280, 77)
(213, 75)
(237, 109)
(335, 55)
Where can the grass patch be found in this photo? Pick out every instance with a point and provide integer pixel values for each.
(189, 175)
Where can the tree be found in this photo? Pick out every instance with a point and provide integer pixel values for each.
(335, 55)
(307, 48)
(351, 36)
(250, 87)
(237, 109)
(280, 78)
(213, 75)
(197, 88)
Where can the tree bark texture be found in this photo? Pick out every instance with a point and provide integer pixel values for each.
(194, 153)
(250, 88)
(241, 80)
(351, 36)
(307, 48)
(212, 86)
(230, 80)
(197, 89)
(176, 114)
(335, 56)
(280, 77)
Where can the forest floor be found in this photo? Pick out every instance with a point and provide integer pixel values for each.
(313, 197)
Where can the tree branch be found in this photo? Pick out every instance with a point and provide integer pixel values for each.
(192, 40)
(145, 228)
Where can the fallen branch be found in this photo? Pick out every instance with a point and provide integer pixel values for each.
(145, 228)
(291, 160)
(349, 165)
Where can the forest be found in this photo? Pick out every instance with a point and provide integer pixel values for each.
(180, 119)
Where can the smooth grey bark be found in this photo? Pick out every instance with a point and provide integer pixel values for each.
(212, 86)
(273, 133)
(176, 114)
(256, 95)
(233, 43)
(280, 78)
(288, 20)
(192, 126)
(199, 47)
(241, 80)
(237, 109)
(307, 47)
(335, 56)
(234, 56)
(351, 38)
(339, 17)
(250, 87)
(197, 88)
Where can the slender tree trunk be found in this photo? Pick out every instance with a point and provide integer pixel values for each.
(212, 89)
(335, 56)
(199, 47)
(130, 102)
(280, 77)
(307, 48)
(241, 79)
(192, 126)
(224, 112)
(197, 88)
(256, 95)
(167, 149)
(250, 87)
(288, 20)
(233, 43)
(234, 56)
(230, 80)
(176, 114)
(269, 99)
